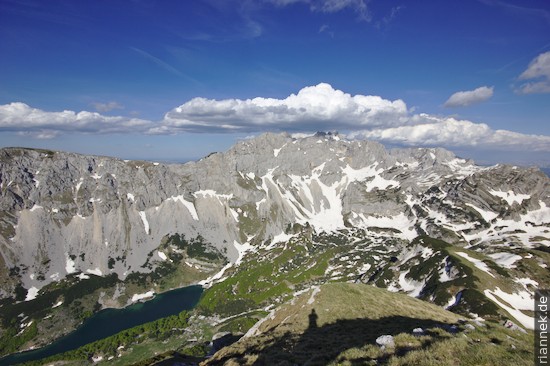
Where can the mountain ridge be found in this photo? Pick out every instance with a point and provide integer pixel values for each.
(264, 162)
(69, 217)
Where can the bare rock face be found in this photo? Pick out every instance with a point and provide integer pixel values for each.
(63, 213)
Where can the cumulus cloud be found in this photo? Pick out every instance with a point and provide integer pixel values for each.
(321, 107)
(538, 72)
(452, 133)
(317, 107)
(107, 107)
(466, 98)
(313, 108)
(19, 117)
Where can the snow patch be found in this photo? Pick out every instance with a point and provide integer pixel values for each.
(518, 301)
(162, 255)
(505, 259)
(215, 278)
(57, 305)
(96, 359)
(364, 268)
(254, 330)
(461, 167)
(452, 302)
(510, 197)
(487, 215)
(131, 197)
(242, 249)
(276, 152)
(527, 281)
(36, 207)
(138, 297)
(96, 176)
(144, 220)
(316, 290)
(212, 193)
(79, 184)
(359, 175)
(96, 272)
(400, 222)
(69, 264)
(411, 287)
(427, 253)
(281, 238)
(381, 183)
(234, 214)
(31, 294)
(189, 205)
(478, 263)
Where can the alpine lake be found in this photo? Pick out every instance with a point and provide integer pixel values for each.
(111, 321)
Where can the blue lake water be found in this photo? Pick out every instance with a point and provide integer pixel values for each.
(111, 321)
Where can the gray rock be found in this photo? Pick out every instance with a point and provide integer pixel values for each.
(513, 326)
(385, 341)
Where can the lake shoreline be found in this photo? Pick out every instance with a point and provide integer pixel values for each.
(160, 306)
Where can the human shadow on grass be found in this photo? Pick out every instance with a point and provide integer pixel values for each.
(320, 345)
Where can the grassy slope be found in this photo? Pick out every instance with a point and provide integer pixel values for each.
(349, 319)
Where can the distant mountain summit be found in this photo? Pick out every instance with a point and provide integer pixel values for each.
(70, 216)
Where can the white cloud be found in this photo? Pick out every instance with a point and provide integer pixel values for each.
(538, 72)
(19, 117)
(323, 108)
(107, 107)
(466, 98)
(385, 21)
(40, 134)
(326, 29)
(314, 108)
(453, 133)
(332, 6)
(319, 107)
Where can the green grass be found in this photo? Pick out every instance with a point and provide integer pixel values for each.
(348, 316)
(349, 319)
(239, 325)
(267, 277)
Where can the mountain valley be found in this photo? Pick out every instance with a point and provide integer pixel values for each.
(266, 226)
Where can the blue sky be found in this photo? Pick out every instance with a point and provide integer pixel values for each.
(175, 80)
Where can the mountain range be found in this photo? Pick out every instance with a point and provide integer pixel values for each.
(258, 225)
